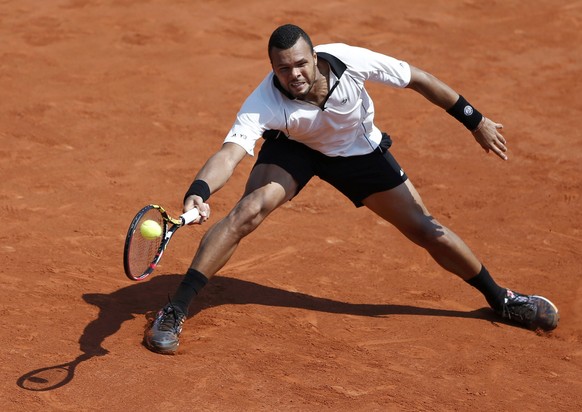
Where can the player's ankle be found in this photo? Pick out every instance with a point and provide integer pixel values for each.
(191, 285)
(493, 293)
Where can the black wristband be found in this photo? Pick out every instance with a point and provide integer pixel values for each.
(198, 188)
(466, 114)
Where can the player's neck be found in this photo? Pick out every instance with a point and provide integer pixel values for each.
(318, 93)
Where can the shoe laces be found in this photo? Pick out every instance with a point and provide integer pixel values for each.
(519, 307)
(171, 318)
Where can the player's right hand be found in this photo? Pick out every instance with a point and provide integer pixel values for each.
(195, 201)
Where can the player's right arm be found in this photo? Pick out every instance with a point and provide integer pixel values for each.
(215, 172)
(255, 116)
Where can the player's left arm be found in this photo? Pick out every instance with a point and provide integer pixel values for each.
(486, 132)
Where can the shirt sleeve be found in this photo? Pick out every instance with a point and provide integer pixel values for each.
(254, 117)
(245, 133)
(371, 65)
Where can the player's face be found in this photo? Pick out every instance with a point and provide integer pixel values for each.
(295, 68)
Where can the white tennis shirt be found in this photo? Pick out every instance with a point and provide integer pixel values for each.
(345, 126)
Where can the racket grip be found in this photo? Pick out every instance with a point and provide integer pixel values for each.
(190, 216)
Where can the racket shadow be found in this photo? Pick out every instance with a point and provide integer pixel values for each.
(137, 299)
(146, 297)
(51, 377)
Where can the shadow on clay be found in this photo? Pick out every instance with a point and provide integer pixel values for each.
(143, 298)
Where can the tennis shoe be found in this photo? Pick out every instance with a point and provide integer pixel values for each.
(532, 311)
(163, 336)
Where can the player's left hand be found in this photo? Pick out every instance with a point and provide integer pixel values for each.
(491, 139)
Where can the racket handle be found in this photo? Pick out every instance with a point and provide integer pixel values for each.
(190, 216)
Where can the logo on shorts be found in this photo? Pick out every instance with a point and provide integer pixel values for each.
(468, 110)
(401, 172)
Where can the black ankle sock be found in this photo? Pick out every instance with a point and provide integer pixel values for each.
(190, 286)
(484, 283)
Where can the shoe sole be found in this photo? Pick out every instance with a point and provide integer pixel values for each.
(547, 316)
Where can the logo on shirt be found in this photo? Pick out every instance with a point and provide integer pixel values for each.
(238, 136)
(344, 101)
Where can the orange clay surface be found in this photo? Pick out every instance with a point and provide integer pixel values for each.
(108, 105)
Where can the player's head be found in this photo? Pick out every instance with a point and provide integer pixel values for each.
(293, 60)
(284, 37)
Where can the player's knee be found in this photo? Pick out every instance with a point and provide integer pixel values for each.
(429, 234)
(246, 217)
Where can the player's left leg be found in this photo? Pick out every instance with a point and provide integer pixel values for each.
(402, 206)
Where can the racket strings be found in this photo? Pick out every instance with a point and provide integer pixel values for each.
(142, 250)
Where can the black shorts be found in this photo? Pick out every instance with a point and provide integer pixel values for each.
(357, 177)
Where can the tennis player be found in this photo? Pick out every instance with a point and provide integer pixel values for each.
(317, 119)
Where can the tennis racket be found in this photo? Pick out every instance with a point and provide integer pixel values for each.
(142, 253)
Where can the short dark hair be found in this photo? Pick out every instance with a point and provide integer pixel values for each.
(284, 37)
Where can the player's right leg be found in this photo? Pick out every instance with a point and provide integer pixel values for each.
(283, 167)
(268, 187)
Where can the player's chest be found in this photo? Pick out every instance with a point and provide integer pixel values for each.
(341, 108)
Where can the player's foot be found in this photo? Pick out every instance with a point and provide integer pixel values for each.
(532, 311)
(163, 334)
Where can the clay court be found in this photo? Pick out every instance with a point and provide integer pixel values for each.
(108, 105)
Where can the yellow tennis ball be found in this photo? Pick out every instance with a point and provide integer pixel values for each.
(150, 229)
